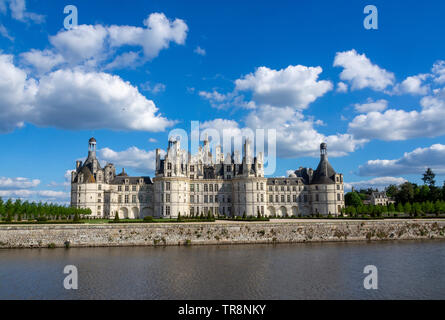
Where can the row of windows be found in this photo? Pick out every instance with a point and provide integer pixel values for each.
(133, 198)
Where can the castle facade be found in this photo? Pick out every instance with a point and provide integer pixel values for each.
(191, 185)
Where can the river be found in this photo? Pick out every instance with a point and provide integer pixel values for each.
(406, 270)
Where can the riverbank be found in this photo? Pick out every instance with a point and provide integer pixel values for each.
(221, 232)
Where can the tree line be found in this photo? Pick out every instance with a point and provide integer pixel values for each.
(410, 198)
(18, 211)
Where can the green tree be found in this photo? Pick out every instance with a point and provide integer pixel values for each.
(353, 199)
(428, 177)
(406, 193)
(391, 190)
(407, 208)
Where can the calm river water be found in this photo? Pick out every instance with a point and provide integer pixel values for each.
(406, 270)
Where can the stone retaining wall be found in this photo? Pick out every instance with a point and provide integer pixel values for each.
(27, 236)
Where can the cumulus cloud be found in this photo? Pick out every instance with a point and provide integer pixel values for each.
(439, 72)
(379, 183)
(18, 183)
(296, 135)
(414, 162)
(24, 188)
(342, 87)
(63, 98)
(140, 160)
(396, 124)
(17, 93)
(296, 86)
(371, 106)
(413, 85)
(361, 72)
(43, 61)
(94, 46)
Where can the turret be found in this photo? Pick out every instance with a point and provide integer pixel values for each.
(92, 148)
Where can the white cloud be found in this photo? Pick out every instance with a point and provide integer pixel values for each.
(94, 46)
(413, 85)
(342, 87)
(296, 135)
(296, 86)
(23, 188)
(200, 51)
(153, 88)
(152, 140)
(4, 33)
(379, 183)
(18, 183)
(141, 160)
(439, 72)
(19, 12)
(414, 162)
(361, 72)
(35, 195)
(17, 94)
(400, 124)
(43, 61)
(371, 106)
(157, 35)
(74, 99)
(83, 42)
(108, 101)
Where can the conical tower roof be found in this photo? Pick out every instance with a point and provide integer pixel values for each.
(324, 174)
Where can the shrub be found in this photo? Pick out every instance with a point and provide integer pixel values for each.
(116, 216)
(148, 218)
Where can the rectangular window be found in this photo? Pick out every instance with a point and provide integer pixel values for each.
(276, 198)
(169, 166)
(288, 198)
(206, 187)
(119, 188)
(127, 198)
(270, 198)
(294, 198)
(167, 197)
(338, 196)
(192, 187)
(197, 188)
(167, 210)
(192, 168)
(167, 186)
(99, 187)
(133, 198)
(192, 198)
(211, 199)
(262, 197)
(211, 187)
(133, 188)
(206, 198)
(119, 199)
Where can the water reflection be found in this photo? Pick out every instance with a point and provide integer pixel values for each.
(407, 270)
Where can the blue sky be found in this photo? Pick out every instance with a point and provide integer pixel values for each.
(128, 74)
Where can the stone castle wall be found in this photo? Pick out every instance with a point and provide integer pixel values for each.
(216, 233)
